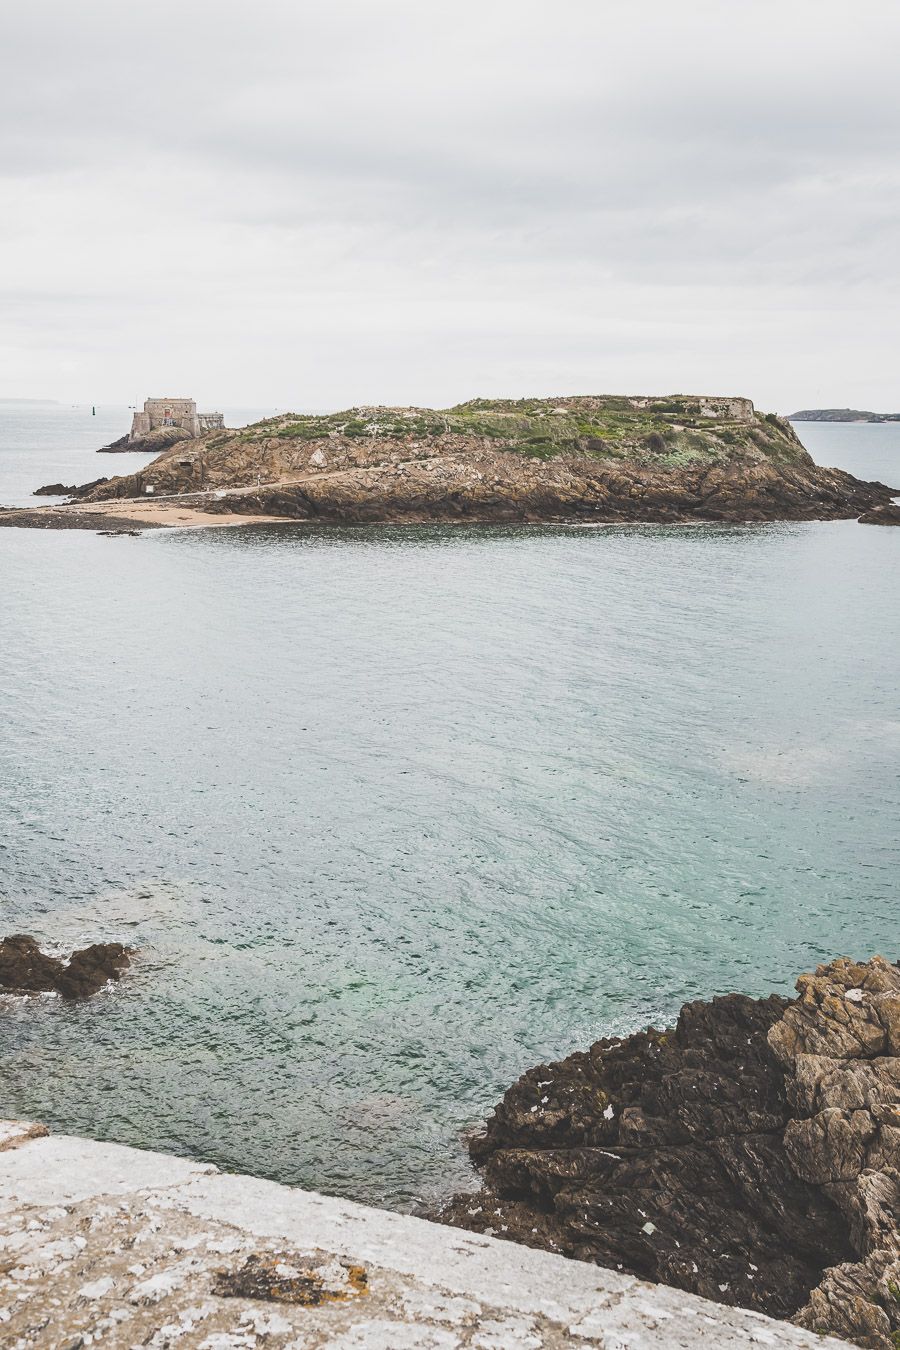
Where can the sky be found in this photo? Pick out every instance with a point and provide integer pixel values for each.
(315, 205)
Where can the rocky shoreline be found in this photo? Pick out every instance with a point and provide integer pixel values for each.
(595, 458)
(750, 1154)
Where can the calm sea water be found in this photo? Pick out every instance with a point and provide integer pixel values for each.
(393, 814)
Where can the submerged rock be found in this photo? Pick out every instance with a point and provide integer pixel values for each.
(24, 968)
(750, 1154)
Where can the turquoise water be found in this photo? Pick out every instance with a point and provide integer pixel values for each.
(393, 814)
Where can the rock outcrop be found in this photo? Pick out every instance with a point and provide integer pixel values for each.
(882, 515)
(55, 490)
(749, 1154)
(25, 969)
(151, 443)
(60, 489)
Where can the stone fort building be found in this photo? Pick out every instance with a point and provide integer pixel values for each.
(173, 412)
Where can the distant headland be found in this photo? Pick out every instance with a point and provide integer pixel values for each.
(589, 458)
(840, 415)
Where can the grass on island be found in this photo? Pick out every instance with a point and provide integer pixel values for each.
(667, 431)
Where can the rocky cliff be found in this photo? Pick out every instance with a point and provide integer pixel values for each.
(601, 458)
(750, 1154)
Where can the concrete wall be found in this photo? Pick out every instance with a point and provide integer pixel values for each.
(108, 1246)
(706, 405)
(729, 409)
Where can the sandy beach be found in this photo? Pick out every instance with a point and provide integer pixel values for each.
(128, 515)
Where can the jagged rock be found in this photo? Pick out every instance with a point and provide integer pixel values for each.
(750, 1154)
(24, 968)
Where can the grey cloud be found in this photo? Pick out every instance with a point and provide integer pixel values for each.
(504, 165)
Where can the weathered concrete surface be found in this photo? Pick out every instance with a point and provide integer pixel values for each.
(102, 1245)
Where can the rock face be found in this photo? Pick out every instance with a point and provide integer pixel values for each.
(24, 968)
(748, 1154)
(594, 458)
(839, 1047)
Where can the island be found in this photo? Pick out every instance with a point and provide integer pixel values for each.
(841, 415)
(589, 458)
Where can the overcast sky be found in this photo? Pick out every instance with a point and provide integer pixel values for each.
(315, 204)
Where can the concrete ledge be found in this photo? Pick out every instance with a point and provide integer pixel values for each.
(111, 1246)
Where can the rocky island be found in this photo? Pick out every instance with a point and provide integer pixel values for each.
(588, 458)
(841, 415)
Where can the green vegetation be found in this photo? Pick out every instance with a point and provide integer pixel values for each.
(672, 431)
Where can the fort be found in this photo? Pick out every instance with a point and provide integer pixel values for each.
(173, 412)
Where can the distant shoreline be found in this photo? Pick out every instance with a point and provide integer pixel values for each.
(34, 402)
(843, 415)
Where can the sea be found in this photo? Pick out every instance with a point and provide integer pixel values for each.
(392, 814)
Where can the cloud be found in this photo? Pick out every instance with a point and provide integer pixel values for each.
(503, 196)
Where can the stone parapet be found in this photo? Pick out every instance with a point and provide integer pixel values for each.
(111, 1246)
